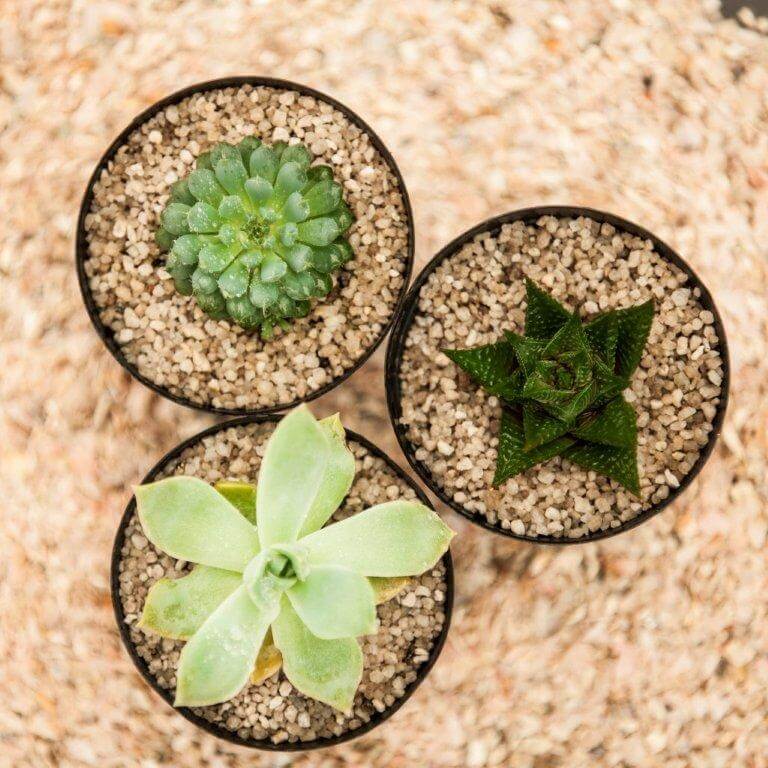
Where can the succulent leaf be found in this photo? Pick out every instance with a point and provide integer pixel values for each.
(397, 538)
(268, 207)
(544, 316)
(540, 428)
(327, 670)
(491, 366)
(620, 464)
(603, 336)
(242, 496)
(385, 588)
(615, 425)
(634, 328)
(316, 601)
(298, 448)
(189, 520)
(512, 456)
(177, 608)
(208, 676)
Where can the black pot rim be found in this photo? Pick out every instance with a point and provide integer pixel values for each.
(410, 309)
(81, 241)
(222, 733)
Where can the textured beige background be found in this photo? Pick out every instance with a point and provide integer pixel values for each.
(645, 650)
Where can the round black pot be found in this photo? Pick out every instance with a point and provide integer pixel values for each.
(218, 731)
(410, 310)
(81, 242)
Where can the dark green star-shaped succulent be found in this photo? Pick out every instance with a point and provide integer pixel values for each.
(561, 386)
(255, 233)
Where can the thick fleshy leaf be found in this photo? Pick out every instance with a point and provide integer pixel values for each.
(615, 424)
(512, 458)
(337, 478)
(186, 518)
(544, 316)
(603, 336)
(218, 660)
(175, 218)
(620, 464)
(540, 427)
(323, 197)
(385, 588)
(204, 218)
(296, 153)
(634, 326)
(398, 538)
(527, 351)
(321, 231)
(491, 366)
(177, 608)
(202, 183)
(292, 476)
(327, 670)
(231, 174)
(242, 496)
(268, 661)
(335, 602)
(233, 281)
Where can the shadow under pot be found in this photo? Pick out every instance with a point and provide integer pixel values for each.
(269, 713)
(557, 375)
(244, 245)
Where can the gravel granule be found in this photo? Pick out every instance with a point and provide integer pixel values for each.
(169, 339)
(273, 710)
(479, 292)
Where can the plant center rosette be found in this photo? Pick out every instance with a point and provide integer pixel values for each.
(255, 233)
(561, 385)
(273, 585)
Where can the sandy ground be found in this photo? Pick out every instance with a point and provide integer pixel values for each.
(646, 650)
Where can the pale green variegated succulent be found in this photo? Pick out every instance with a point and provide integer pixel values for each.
(271, 584)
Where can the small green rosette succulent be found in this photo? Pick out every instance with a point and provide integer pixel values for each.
(255, 233)
(561, 385)
(270, 577)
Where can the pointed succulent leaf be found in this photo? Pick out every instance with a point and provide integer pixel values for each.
(327, 670)
(234, 280)
(213, 304)
(603, 335)
(513, 458)
(203, 218)
(334, 602)
(295, 208)
(214, 258)
(615, 424)
(175, 218)
(203, 185)
(320, 231)
(164, 239)
(385, 588)
(263, 295)
(619, 464)
(224, 151)
(323, 197)
(258, 189)
(397, 538)
(318, 173)
(544, 316)
(187, 248)
(189, 520)
(634, 327)
(272, 268)
(491, 366)
(246, 147)
(540, 428)
(337, 478)
(177, 608)
(290, 178)
(265, 162)
(342, 217)
(218, 660)
(242, 496)
(203, 282)
(296, 153)
(231, 209)
(180, 193)
(527, 351)
(292, 476)
(231, 174)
